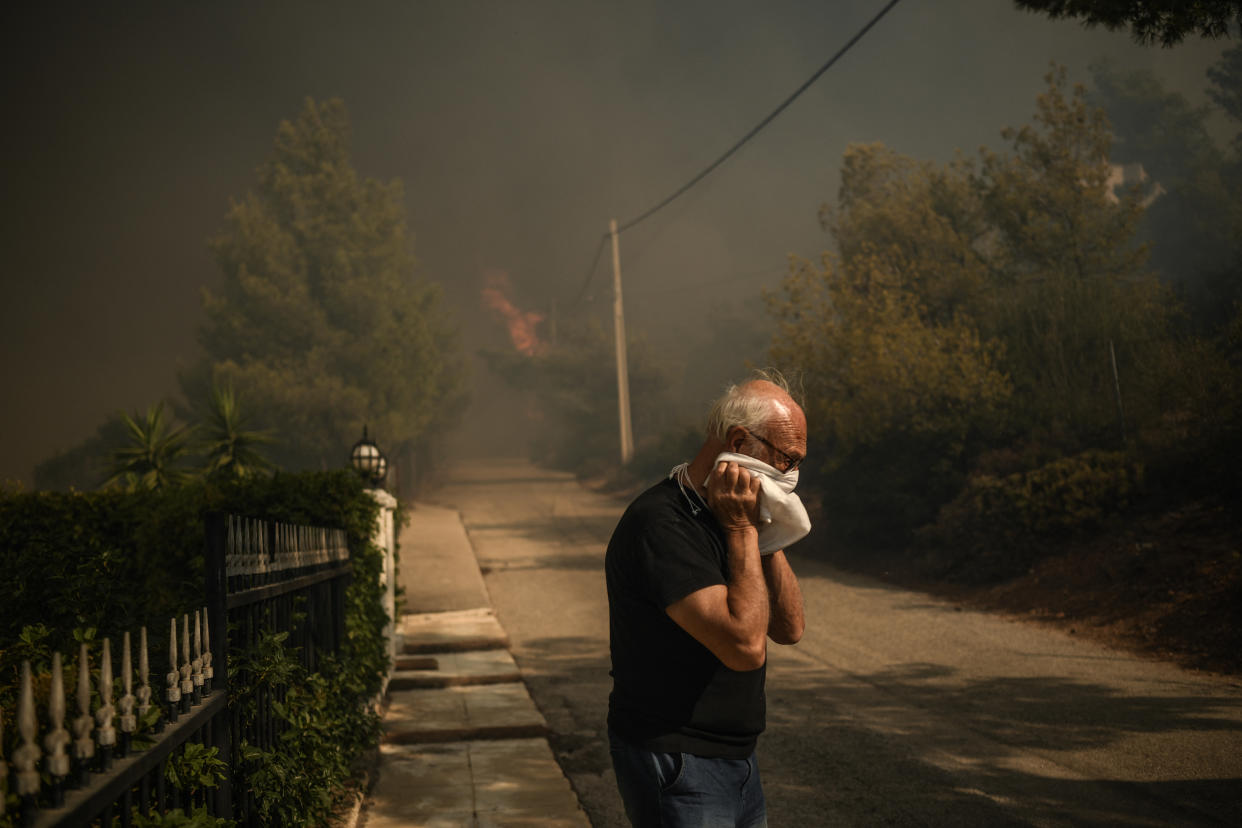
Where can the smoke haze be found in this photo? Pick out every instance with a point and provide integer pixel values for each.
(519, 130)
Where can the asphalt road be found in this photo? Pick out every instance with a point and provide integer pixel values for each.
(894, 709)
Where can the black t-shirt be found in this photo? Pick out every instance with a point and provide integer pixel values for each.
(669, 692)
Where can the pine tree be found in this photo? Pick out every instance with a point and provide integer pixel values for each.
(320, 321)
(1070, 285)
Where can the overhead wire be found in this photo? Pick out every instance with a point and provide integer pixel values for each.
(706, 171)
(586, 283)
(683, 189)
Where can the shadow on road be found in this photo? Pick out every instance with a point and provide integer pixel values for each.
(910, 745)
(568, 678)
(1052, 713)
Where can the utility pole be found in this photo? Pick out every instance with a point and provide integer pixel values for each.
(623, 374)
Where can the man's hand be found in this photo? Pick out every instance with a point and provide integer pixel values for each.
(733, 496)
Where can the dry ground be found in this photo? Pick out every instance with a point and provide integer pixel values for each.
(1167, 585)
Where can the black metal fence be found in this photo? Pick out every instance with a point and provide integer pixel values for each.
(272, 578)
(124, 752)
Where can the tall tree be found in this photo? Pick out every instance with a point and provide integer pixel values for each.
(897, 400)
(925, 221)
(970, 306)
(1069, 278)
(320, 321)
(1166, 21)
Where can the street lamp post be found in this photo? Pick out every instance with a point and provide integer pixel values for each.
(367, 459)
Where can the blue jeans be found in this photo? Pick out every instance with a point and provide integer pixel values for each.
(681, 790)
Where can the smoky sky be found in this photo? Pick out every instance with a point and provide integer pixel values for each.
(518, 128)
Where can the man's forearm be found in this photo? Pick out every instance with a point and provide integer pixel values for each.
(785, 617)
(748, 592)
(731, 619)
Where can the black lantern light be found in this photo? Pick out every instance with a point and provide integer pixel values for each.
(368, 460)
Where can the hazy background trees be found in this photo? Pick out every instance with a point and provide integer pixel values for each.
(568, 396)
(1194, 225)
(87, 464)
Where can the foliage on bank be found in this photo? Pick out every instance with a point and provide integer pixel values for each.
(988, 361)
(996, 524)
(92, 565)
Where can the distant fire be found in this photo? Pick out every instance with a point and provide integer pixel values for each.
(522, 324)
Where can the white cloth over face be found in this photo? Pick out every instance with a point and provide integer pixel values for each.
(782, 517)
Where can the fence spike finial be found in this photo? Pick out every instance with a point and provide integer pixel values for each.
(83, 745)
(144, 672)
(104, 716)
(196, 666)
(26, 757)
(57, 738)
(208, 673)
(173, 692)
(187, 684)
(127, 721)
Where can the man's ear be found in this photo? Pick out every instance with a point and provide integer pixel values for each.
(735, 439)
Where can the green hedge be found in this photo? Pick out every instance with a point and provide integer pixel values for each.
(93, 565)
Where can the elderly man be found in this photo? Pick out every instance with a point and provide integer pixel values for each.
(692, 602)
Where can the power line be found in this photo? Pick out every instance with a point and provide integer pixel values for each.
(586, 283)
(737, 146)
(758, 127)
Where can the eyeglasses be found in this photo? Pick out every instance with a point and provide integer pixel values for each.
(787, 463)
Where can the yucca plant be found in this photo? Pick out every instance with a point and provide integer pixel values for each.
(150, 460)
(230, 448)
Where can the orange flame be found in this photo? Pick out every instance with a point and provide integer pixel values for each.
(522, 324)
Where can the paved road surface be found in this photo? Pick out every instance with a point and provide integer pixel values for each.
(895, 709)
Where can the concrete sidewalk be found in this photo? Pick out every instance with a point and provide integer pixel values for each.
(463, 744)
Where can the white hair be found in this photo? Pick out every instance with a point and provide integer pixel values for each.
(741, 406)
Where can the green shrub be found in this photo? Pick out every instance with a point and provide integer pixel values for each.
(84, 566)
(994, 527)
(322, 727)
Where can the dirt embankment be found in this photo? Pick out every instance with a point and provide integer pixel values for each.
(1168, 586)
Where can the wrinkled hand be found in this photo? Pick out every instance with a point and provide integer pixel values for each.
(733, 496)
